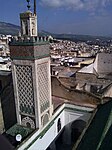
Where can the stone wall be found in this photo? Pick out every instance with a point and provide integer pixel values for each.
(29, 51)
(68, 81)
(103, 63)
(90, 78)
(76, 96)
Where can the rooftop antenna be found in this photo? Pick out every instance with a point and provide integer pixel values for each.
(35, 7)
(28, 6)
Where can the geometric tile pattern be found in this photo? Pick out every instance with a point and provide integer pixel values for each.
(43, 83)
(28, 122)
(25, 89)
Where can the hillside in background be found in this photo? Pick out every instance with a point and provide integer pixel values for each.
(7, 28)
(76, 38)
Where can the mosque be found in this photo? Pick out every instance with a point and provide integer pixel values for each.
(46, 120)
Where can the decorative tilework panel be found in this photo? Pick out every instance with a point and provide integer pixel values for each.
(43, 82)
(25, 89)
(28, 122)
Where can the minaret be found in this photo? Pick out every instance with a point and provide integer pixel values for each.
(31, 78)
(29, 21)
(35, 7)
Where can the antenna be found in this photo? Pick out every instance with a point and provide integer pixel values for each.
(28, 6)
(35, 7)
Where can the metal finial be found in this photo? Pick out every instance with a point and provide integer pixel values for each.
(28, 6)
(35, 7)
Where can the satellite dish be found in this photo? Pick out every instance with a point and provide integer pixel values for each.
(18, 137)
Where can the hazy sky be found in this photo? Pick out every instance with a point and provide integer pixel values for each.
(92, 17)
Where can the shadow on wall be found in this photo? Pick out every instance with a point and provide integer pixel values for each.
(8, 106)
(68, 136)
(77, 128)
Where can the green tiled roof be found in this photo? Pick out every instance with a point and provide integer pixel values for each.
(95, 135)
(17, 129)
(107, 142)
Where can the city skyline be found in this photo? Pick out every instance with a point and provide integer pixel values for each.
(67, 16)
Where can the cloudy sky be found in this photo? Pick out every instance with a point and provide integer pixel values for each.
(93, 17)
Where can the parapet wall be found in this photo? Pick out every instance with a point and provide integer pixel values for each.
(26, 39)
(91, 79)
(73, 96)
(29, 47)
(103, 63)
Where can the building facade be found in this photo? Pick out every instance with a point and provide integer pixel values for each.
(28, 23)
(31, 74)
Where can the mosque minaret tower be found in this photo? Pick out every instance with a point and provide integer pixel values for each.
(30, 56)
(29, 21)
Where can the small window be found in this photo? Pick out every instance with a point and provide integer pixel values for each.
(59, 125)
(32, 31)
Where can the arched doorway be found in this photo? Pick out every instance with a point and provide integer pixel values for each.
(77, 127)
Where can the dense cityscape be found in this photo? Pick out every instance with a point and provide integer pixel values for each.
(55, 92)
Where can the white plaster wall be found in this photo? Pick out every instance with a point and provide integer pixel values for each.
(67, 116)
(108, 93)
(71, 116)
(95, 65)
(42, 144)
(51, 134)
(103, 63)
(88, 87)
(1, 119)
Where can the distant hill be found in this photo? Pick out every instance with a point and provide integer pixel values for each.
(7, 28)
(75, 37)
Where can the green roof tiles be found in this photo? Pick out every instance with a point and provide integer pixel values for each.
(98, 129)
(29, 41)
(107, 142)
(17, 129)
